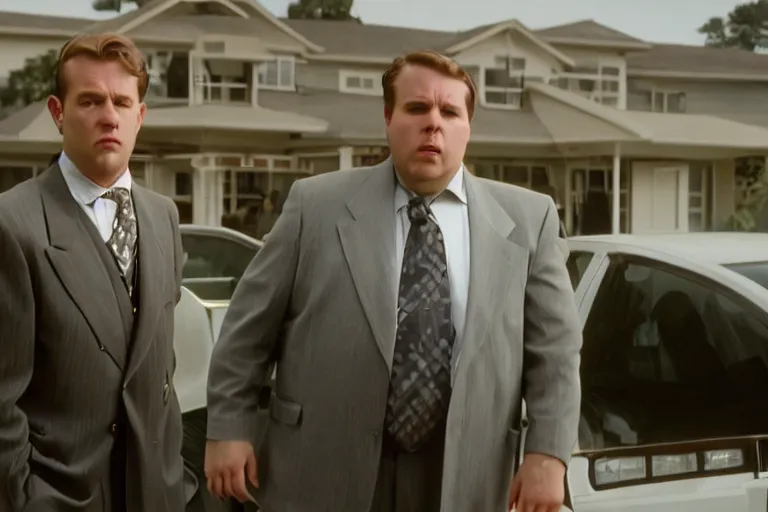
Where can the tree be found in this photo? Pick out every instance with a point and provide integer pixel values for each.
(745, 27)
(116, 5)
(31, 83)
(322, 10)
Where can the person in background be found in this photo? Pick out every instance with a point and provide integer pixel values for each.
(409, 307)
(91, 271)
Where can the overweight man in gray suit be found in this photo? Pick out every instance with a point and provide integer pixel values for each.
(409, 308)
(90, 267)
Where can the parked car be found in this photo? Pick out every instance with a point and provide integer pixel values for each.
(215, 260)
(674, 366)
(674, 372)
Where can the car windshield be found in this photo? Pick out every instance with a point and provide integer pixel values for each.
(756, 271)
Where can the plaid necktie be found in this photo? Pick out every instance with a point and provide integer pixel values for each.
(122, 242)
(420, 388)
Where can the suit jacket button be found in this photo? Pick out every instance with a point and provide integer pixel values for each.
(113, 428)
(166, 392)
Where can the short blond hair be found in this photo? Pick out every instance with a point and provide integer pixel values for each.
(431, 60)
(105, 47)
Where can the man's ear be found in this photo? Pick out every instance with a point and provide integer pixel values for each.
(56, 110)
(387, 115)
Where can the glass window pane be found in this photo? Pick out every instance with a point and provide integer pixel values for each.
(660, 347)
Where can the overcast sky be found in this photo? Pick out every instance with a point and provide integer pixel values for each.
(673, 21)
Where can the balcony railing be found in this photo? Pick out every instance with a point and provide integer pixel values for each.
(218, 92)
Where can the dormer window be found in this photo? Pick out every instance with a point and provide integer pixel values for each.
(278, 74)
(503, 84)
(360, 82)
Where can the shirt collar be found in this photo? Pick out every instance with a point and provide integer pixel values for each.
(83, 189)
(456, 187)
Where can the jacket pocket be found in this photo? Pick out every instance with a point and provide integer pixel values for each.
(284, 411)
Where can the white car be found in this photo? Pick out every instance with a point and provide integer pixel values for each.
(216, 259)
(674, 373)
(674, 366)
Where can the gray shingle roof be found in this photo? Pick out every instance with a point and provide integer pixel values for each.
(698, 59)
(39, 21)
(362, 117)
(588, 30)
(350, 38)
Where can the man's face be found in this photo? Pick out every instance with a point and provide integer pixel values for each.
(428, 128)
(99, 117)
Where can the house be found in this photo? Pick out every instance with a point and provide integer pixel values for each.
(626, 135)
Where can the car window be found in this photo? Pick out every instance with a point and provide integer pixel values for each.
(757, 272)
(577, 264)
(214, 264)
(669, 357)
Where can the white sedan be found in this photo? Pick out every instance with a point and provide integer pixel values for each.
(674, 373)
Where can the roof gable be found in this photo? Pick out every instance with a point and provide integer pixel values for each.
(589, 33)
(472, 37)
(239, 8)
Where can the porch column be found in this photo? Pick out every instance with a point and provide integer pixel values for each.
(346, 160)
(616, 202)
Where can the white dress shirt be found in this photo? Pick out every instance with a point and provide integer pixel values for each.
(449, 210)
(88, 195)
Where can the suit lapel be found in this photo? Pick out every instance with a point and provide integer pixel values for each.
(368, 242)
(151, 280)
(78, 266)
(495, 264)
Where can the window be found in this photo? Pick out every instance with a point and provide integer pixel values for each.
(670, 102)
(182, 195)
(577, 264)
(277, 74)
(521, 174)
(700, 196)
(663, 349)
(360, 82)
(214, 264)
(592, 199)
(504, 82)
(12, 176)
(757, 272)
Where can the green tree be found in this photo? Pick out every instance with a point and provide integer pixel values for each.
(745, 27)
(31, 83)
(322, 10)
(116, 5)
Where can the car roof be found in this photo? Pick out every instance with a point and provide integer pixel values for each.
(718, 248)
(200, 229)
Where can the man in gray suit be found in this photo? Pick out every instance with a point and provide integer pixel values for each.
(409, 307)
(90, 275)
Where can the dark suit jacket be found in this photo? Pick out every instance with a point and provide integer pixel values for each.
(78, 371)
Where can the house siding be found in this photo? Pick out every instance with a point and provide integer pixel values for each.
(744, 102)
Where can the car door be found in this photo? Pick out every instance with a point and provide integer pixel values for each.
(674, 377)
(215, 262)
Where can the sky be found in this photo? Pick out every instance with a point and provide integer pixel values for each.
(668, 21)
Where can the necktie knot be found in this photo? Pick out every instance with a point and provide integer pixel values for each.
(418, 211)
(120, 195)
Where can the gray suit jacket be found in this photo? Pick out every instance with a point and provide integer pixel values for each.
(319, 300)
(72, 353)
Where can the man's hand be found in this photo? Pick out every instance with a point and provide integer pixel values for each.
(226, 464)
(539, 485)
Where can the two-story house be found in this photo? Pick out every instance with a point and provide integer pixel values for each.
(626, 135)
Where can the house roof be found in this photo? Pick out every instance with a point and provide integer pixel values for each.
(232, 117)
(32, 123)
(361, 117)
(19, 23)
(378, 43)
(133, 19)
(681, 130)
(590, 32)
(686, 59)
